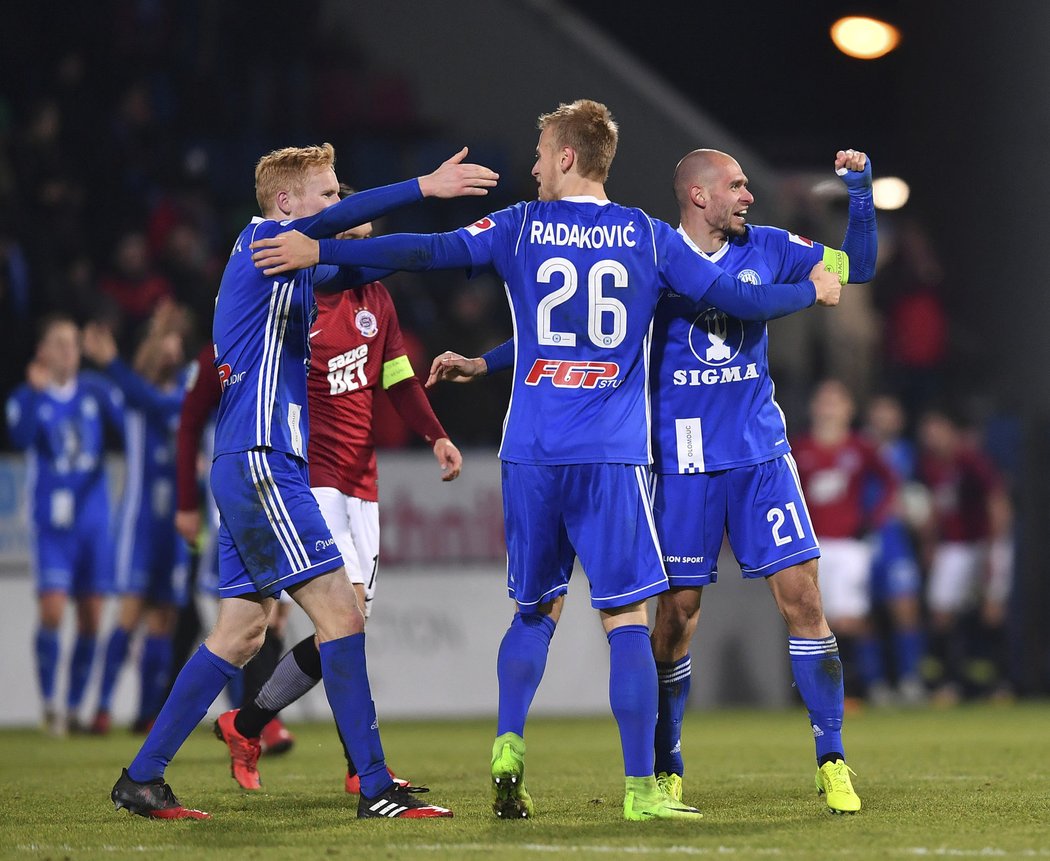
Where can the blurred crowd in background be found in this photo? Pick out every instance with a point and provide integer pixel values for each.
(126, 169)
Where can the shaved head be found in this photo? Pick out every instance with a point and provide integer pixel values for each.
(700, 167)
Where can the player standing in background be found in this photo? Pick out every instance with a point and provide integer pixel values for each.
(969, 555)
(721, 454)
(896, 581)
(198, 408)
(151, 558)
(356, 346)
(836, 466)
(59, 416)
(272, 535)
(583, 276)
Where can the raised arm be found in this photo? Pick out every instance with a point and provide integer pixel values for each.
(861, 241)
(452, 178)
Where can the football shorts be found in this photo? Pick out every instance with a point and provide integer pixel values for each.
(598, 512)
(271, 532)
(761, 507)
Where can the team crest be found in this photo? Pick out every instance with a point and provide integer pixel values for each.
(749, 276)
(714, 338)
(481, 226)
(366, 323)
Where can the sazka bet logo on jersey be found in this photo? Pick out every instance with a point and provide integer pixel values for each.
(565, 374)
(227, 377)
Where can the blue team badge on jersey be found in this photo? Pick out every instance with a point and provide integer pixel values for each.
(366, 323)
(714, 338)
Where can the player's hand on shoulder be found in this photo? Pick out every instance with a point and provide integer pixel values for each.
(453, 178)
(455, 368)
(285, 252)
(827, 283)
(854, 167)
(449, 458)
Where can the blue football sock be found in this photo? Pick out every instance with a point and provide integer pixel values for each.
(154, 672)
(675, 679)
(80, 670)
(345, 675)
(908, 647)
(869, 660)
(116, 652)
(47, 662)
(633, 696)
(519, 668)
(235, 691)
(197, 686)
(818, 674)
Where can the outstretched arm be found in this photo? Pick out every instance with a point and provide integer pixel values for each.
(452, 178)
(410, 252)
(861, 241)
(769, 301)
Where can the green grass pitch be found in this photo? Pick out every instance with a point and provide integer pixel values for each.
(972, 782)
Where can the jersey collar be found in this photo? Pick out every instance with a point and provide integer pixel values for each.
(586, 198)
(714, 258)
(63, 393)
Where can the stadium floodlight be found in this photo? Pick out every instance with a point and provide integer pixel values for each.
(864, 38)
(890, 192)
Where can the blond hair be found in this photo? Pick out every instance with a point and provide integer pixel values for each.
(588, 128)
(286, 170)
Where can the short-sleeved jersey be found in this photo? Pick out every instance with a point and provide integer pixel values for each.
(713, 399)
(960, 487)
(262, 351)
(582, 277)
(356, 345)
(834, 479)
(64, 430)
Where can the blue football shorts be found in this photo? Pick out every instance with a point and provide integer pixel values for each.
(77, 560)
(152, 559)
(599, 512)
(761, 507)
(894, 569)
(271, 532)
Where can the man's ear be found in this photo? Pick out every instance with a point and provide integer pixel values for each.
(698, 196)
(568, 158)
(284, 203)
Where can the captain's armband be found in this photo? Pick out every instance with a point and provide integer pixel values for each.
(838, 262)
(396, 371)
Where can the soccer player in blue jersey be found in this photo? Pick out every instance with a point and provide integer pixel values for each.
(59, 416)
(151, 557)
(272, 535)
(721, 457)
(583, 276)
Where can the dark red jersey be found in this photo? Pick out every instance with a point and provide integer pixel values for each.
(834, 479)
(960, 487)
(356, 345)
(202, 399)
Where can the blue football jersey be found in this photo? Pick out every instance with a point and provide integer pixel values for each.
(152, 418)
(262, 351)
(64, 431)
(261, 325)
(582, 277)
(713, 399)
